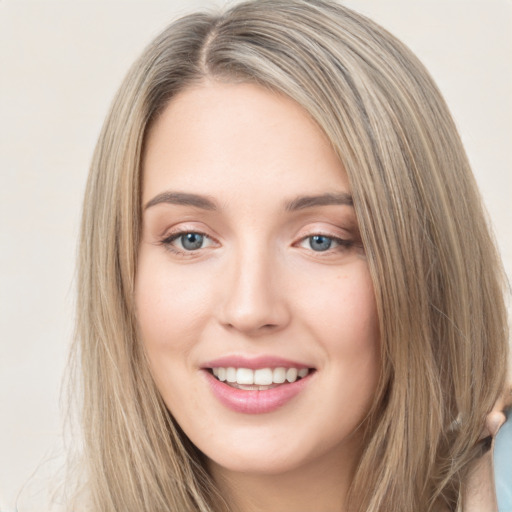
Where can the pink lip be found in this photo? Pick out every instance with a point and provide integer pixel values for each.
(255, 402)
(253, 363)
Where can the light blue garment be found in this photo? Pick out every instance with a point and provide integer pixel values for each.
(503, 466)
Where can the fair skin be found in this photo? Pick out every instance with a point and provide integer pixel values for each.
(238, 265)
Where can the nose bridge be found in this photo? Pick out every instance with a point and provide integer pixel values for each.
(254, 302)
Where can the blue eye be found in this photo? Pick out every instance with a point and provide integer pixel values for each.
(320, 243)
(187, 241)
(325, 243)
(191, 241)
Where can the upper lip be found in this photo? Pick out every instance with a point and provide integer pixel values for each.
(254, 363)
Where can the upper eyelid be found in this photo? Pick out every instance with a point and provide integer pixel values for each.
(171, 237)
(328, 233)
(179, 229)
(337, 239)
(332, 231)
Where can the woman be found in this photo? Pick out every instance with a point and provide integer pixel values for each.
(289, 298)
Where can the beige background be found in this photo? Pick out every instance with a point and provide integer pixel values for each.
(60, 63)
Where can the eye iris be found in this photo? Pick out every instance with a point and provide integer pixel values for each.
(192, 241)
(320, 243)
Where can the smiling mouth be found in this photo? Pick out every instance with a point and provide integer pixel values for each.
(259, 380)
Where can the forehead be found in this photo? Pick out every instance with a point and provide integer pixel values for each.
(229, 139)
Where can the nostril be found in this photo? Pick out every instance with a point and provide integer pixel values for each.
(250, 328)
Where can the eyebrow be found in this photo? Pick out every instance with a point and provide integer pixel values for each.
(303, 202)
(182, 198)
(298, 203)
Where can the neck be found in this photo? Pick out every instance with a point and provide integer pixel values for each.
(319, 485)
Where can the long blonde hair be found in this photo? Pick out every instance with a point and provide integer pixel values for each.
(437, 277)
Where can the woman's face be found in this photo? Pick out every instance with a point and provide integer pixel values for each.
(251, 270)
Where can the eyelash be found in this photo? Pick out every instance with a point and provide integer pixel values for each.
(341, 244)
(168, 242)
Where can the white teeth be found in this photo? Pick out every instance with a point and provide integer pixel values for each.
(302, 372)
(291, 374)
(263, 377)
(231, 374)
(279, 375)
(259, 377)
(244, 376)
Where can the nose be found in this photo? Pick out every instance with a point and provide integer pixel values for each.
(254, 302)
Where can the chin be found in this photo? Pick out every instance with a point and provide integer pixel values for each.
(276, 454)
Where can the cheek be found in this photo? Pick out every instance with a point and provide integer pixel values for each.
(357, 331)
(342, 309)
(170, 305)
(342, 316)
(353, 343)
(171, 314)
(171, 310)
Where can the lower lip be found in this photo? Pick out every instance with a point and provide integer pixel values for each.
(255, 402)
